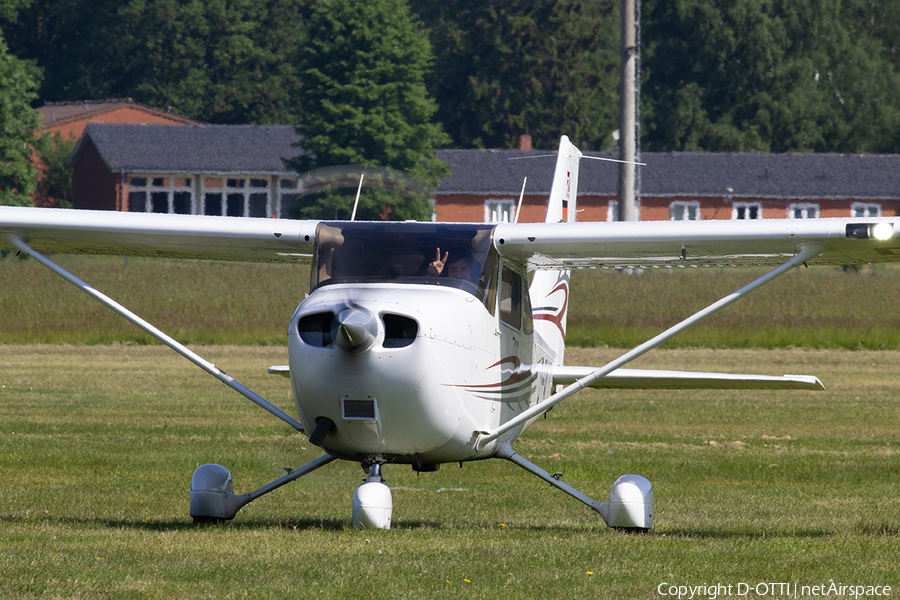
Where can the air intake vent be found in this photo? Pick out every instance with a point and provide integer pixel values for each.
(315, 329)
(399, 331)
(359, 409)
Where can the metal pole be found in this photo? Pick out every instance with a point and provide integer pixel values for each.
(627, 208)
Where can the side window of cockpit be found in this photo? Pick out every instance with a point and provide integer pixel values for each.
(487, 284)
(511, 298)
(527, 320)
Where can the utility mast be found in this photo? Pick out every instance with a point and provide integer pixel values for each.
(627, 94)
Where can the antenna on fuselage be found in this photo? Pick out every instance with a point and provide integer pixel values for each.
(614, 160)
(356, 202)
(521, 195)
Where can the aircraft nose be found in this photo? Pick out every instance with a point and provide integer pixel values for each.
(354, 329)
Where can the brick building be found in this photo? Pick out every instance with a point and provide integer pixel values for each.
(230, 170)
(70, 118)
(239, 170)
(676, 186)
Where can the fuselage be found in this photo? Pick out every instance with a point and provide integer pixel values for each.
(407, 366)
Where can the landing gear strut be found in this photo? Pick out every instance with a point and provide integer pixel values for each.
(630, 505)
(212, 492)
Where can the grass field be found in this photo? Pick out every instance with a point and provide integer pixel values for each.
(98, 443)
(235, 303)
(819, 307)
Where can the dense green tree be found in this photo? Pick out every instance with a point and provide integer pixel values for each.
(18, 83)
(765, 75)
(221, 61)
(509, 67)
(881, 20)
(77, 44)
(224, 61)
(749, 75)
(364, 102)
(54, 187)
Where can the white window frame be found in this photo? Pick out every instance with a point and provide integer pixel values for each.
(167, 187)
(865, 210)
(685, 208)
(243, 186)
(747, 207)
(287, 187)
(499, 210)
(612, 213)
(808, 210)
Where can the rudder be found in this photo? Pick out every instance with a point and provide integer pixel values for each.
(549, 289)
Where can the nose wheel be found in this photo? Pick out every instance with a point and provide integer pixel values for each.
(372, 503)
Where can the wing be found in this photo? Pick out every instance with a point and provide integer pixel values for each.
(698, 243)
(55, 230)
(641, 379)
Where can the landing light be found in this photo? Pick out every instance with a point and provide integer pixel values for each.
(870, 231)
(883, 231)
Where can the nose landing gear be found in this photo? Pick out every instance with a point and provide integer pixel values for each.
(372, 503)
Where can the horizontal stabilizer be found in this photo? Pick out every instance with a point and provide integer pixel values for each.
(284, 371)
(642, 379)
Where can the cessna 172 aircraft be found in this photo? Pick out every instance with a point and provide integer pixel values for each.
(424, 343)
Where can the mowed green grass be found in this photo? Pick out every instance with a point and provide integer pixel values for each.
(193, 301)
(816, 307)
(238, 303)
(98, 443)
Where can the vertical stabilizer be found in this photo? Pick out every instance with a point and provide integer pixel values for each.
(561, 207)
(550, 289)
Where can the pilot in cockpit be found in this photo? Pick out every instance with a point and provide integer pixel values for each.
(461, 265)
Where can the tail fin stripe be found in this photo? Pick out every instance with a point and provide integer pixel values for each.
(555, 314)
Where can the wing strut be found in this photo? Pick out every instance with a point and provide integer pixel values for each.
(806, 253)
(207, 366)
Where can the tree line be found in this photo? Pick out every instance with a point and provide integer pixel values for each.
(385, 82)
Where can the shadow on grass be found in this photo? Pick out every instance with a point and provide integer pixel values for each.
(755, 534)
(255, 523)
(863, 528)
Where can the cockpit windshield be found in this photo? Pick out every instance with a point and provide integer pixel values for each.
(456, 255)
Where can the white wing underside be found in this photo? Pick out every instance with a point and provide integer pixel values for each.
(160, 235)
(641, 379)
(679, 244)
(542, 245)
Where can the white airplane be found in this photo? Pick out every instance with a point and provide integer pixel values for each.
(423, 343)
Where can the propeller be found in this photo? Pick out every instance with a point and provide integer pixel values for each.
(354, 328)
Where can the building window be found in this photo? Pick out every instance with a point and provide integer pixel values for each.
(803, 211)
(288, 194)
(612, 210)
(862, 209)
(684, 211)
(746, 211)
(236, 197)
(498, 211)
(160, 195)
